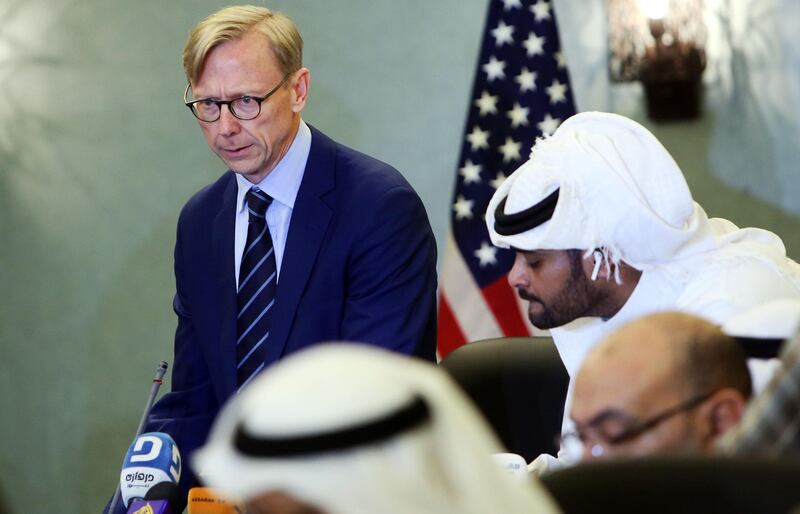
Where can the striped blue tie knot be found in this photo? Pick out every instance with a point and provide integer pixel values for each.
(258, 276)
(257, 204)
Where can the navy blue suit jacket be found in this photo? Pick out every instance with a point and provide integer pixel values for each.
(359, 265)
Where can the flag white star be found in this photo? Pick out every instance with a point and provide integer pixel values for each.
(518, 115)
(478, 138)
(494, 69)
(510, 150)
(486, 254)
(561, 62)
(471, 172)
(487, 104)
(526, 80)
(503, 34)
(557, 92)
(498, 181)
(548, 125)
(541, 10)
(534, 45)
(510, 4)
(463, 208)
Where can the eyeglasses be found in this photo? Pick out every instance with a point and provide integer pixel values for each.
(244, 107)
(605, 438)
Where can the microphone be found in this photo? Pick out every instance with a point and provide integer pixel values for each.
(203, 500)
(152, 458)
(151, 398)
(160, 499)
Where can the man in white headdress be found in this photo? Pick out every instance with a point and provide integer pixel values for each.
(771, 423)
(606, 231)
(762, 331)
(347, 429)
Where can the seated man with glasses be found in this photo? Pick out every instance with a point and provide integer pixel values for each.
(665, 383)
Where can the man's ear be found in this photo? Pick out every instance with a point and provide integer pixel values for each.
(719, 413)
(300, 84)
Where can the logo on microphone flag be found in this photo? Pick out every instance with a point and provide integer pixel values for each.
(147, 509)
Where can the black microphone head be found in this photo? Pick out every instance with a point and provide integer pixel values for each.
(170, 492)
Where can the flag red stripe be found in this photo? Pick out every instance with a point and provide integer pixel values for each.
(449, 333)
(502, 300)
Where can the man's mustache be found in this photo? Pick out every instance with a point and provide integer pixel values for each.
(527, 296)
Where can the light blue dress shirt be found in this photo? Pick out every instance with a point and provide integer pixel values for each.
(282, 184)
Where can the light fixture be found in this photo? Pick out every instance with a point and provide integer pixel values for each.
(660, 43)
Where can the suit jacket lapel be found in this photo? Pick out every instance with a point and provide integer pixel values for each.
(310, 219)
(223, 352)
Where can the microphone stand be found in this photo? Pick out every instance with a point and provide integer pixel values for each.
(151, 398)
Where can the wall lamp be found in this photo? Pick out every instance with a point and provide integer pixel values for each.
(660, 43)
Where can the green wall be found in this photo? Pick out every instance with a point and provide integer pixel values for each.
(97, 155)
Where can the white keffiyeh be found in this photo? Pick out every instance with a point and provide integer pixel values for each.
(441, 466)
(619, 191)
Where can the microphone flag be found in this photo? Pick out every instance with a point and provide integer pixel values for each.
(153, 457)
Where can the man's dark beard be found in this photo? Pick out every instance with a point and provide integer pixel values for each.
(575, 300)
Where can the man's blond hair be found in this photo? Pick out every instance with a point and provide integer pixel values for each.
(233, 23)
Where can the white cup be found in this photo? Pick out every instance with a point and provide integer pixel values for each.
(512, 464)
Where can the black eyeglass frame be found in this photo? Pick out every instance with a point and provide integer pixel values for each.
(641, 427)
(219, 103)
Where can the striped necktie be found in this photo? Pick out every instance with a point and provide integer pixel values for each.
(258, 279)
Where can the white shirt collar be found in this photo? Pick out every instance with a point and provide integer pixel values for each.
(283, 182)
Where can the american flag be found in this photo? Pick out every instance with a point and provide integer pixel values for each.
(521, 91)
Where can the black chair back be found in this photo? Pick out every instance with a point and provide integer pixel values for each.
(519, 384)
(678, 485)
